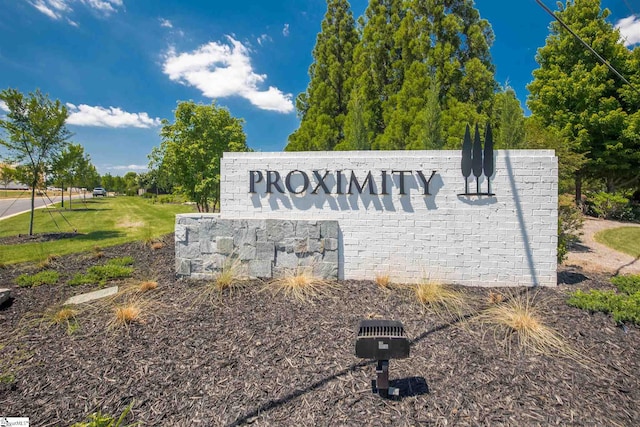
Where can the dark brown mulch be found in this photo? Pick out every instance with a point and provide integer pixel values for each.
(35, 238)
(251, 357)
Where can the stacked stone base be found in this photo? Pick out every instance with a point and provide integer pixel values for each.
(206, 245)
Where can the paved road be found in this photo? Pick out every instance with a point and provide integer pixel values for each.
(11, 207)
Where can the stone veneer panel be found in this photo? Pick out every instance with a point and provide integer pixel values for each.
(257, 248)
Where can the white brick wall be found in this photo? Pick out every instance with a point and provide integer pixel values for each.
(506, 240)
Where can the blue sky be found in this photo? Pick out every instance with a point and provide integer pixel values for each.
(122, 65)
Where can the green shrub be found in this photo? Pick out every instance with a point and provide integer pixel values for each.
(629, 310)
(101, 274)
(623, 306)
(148, 195)
(627, 284)
(610, 206)
(47, 277)
(569, 224)
(171, 198)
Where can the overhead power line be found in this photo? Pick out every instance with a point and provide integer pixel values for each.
(585, 44)
(629, 7)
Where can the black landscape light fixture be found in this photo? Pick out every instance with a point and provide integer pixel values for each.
(382, 340)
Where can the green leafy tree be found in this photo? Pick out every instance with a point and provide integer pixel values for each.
(35, 132)
(89, 176)
(537, 136)
(595, 112)
(107, 181)
(192, 146)
(119, 185)
(323, 107)
(7, 175)
(508, 119)
(130, 183)
(70, 168)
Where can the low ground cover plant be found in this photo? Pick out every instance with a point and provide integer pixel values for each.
(623, 305)
(99, 419)
(117, 268)
(46, 277)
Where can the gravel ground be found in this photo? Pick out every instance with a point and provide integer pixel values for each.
(592, 256)
(251, 357)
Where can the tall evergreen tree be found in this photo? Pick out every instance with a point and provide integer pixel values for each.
(377, 69)
(594, 111)
(409, 46)
(323, 107)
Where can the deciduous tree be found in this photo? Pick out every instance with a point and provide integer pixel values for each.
(192, 146)
(34, 131)
(595, 112)
(72, 167)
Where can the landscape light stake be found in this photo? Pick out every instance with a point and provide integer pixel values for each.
(382, 340)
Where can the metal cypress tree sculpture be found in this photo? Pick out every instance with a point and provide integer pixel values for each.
(466, 158)
(488, 157)
(476, 160)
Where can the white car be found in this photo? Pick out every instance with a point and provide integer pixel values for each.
(99, 191)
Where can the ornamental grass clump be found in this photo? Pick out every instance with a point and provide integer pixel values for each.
(301, 284)
(383, 280)
(230, 277)
(131, 307)
(128, 313)
(148, 285)
(63, 315)
(440, 298)
(518, 319)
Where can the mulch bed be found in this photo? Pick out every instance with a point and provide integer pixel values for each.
(249, 357)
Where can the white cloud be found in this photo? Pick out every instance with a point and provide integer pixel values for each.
(126, 168)
(285, 30)
(629, 30)
(165, 23)
(221, 70)
(3, 106)
(58, 9)
(105, 6)
(112, 117)
(264, 38)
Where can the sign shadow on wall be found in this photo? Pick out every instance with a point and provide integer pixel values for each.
(478, 163)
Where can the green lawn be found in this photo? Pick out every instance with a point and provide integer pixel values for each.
(101, 222)
(623, 239)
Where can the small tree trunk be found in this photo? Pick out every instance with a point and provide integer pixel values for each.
(69, 198)
(33, 206)
(578, 190)
(62, 193)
